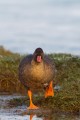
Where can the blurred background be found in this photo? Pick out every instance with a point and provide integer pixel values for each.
(53, 25)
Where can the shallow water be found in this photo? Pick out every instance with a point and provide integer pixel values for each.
(17, 113)
(17, 117)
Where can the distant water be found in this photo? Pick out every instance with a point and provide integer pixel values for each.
(51, 24)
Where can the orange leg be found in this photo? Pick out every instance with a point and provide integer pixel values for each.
(32, 106)
(49, 90)
(31, 116)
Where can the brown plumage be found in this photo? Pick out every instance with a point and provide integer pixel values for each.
(33, 74)
(36, 71)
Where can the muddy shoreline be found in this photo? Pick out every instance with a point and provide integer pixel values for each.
(21, 112)
(5, 103)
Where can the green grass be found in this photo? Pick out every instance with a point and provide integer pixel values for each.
(67, 76)
(9, 63)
